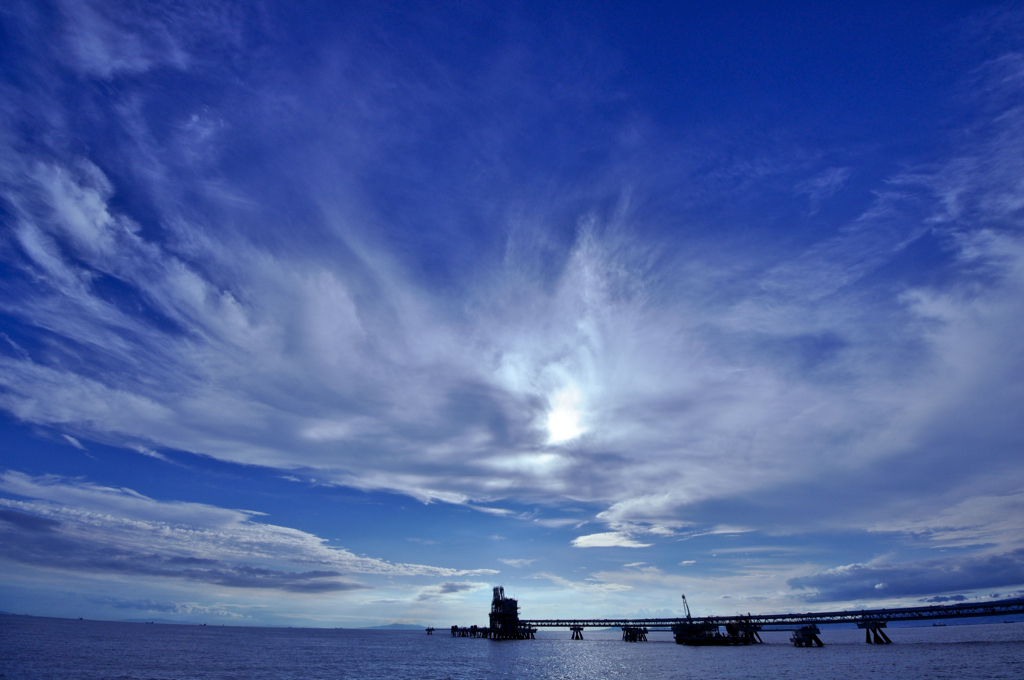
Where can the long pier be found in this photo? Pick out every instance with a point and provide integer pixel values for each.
(934, 612)
(505, 623)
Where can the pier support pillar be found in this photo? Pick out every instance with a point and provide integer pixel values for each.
(634, 634)
(577, 632)
(873, 633)
(807, 637)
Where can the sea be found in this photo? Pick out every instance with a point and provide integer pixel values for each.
(35, 647)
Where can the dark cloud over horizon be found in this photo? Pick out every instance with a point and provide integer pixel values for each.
(866, 582)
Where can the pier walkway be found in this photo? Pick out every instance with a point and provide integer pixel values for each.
(858, 616)
(740, 629)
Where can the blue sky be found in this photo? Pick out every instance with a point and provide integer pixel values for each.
(340, 315)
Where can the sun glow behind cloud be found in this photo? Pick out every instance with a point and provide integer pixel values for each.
(563, 420)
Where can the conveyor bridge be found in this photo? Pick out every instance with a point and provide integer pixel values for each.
(858, 616)
(505, 623)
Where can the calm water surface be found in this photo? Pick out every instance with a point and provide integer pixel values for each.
(60, 648)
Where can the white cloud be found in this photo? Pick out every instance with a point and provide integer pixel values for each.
(518, 564)
(608, 539)
(595, 586)
(823, 186)
(500, 512)
(558, 523)
(146, 451)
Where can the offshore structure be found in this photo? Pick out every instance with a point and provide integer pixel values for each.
(505, 624)
(504, 619)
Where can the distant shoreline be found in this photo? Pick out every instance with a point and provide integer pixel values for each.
(211, 624)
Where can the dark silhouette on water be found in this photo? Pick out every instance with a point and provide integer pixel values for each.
(505, 623)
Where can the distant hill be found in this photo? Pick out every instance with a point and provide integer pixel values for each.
(397, 626)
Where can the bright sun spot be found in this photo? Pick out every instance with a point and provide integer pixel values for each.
(564, 417)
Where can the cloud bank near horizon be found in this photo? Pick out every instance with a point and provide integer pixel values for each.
(75, 526)
(866, 582)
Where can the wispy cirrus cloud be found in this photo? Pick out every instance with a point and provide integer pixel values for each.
(978, 520)
(590, 586)
(83, 528)
(108, 40)
(517, 563)
(823, 186)
(592, 343)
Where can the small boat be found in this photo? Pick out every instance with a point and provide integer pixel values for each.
(938, 624)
